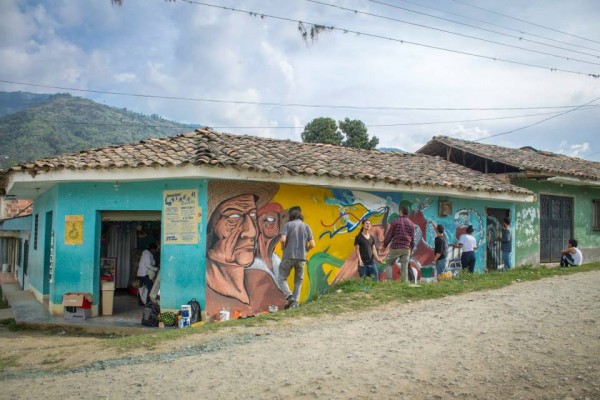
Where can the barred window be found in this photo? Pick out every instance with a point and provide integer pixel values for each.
(35, 231)
(596, 214)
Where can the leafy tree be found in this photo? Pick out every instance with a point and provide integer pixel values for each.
(356, 135)
(322, 130)
(351, 133)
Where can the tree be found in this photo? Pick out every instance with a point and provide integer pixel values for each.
(351, 133)
(322, 130)
(356, 135)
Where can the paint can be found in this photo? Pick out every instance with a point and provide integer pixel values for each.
(224, 315)
(186, 311)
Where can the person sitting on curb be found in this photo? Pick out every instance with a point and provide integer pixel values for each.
(571, 256)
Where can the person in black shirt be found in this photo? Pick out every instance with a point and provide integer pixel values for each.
(440, 250)
(364, 245)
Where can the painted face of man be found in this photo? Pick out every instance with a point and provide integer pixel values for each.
(235, 228)
(268, 224)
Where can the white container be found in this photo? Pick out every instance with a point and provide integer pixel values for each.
(5, 267)
(224, 315)
(184, 322)
(186, 311)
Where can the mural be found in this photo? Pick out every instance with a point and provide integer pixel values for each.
(244, 221)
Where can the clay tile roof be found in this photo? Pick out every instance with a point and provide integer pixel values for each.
(524, 159)
(279, 157)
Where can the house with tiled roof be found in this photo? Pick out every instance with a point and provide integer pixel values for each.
(215, 203)
(567, 194)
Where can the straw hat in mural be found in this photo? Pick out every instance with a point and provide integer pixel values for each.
(220, 191)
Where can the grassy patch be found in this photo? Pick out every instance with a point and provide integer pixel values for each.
(357, 294)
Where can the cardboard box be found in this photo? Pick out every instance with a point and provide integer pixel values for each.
(82, 300)
(77, 306)
(77, 313)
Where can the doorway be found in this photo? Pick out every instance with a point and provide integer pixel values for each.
(124, 236)
(494, 238)
(556, 226)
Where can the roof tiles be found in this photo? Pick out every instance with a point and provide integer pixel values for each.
(278, 157)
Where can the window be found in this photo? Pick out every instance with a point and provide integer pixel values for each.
(596, 215)
(35, 231)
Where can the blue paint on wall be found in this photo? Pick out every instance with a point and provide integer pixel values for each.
(77, 266)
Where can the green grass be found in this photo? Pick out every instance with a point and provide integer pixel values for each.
(8, 362)
(357, 295)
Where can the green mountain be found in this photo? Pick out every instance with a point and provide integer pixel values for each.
(12, 102)
(63, 124)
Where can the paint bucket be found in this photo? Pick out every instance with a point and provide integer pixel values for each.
(186, 311)
(428, 273)
(224, 315)
(5, 267)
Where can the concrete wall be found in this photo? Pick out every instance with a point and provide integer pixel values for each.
(528, 220)
(76, 266)
(334, 217)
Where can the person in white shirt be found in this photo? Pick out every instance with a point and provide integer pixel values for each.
(467, 242)
(571, 256)
(147, 272)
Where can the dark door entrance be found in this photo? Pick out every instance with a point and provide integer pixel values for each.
(556, 226)
(493, 237)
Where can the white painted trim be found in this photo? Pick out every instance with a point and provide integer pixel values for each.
(24, 185)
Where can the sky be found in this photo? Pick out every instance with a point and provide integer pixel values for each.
(513, 73)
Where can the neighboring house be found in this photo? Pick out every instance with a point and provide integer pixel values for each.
(216, 202)
(15, 224)
(567, 193)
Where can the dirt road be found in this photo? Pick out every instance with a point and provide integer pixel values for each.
(532, 340)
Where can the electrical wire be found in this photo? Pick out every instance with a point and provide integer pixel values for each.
(450, 32)
(274, 104)
(538, 122)
(520, 38)
(401, 41)
(493, 24)
(526, 22)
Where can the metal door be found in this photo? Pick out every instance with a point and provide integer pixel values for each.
(556, 226)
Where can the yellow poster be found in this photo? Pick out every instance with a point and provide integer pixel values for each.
(73, 229)
(181, 216)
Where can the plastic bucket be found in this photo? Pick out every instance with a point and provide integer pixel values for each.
(427, 272)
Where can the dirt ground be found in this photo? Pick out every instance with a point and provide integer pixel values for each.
(531, 340)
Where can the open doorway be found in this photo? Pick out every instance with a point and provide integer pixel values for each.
(125, 234)
(494, 238)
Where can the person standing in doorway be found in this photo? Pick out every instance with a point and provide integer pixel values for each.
(296, 241)
(146, 272)
(506, 245)
(364, 245)
(401, 238)
(440, 249)
(468, 244)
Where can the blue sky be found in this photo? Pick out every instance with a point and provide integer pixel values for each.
(193, 51)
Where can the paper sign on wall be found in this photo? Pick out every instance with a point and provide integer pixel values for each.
(73, 229)
(181, 216)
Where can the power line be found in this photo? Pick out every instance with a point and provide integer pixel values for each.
(191, 126)
(539, 122)
(275, 104)
(527, 22)
(401, 41)
(449, 32)
(520, 38)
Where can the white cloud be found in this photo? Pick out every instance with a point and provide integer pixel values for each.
(186, 50)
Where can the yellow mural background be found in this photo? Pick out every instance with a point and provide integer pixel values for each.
(318, 213)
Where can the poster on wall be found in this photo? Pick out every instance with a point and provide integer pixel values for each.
(181, 216)
(74, 229)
